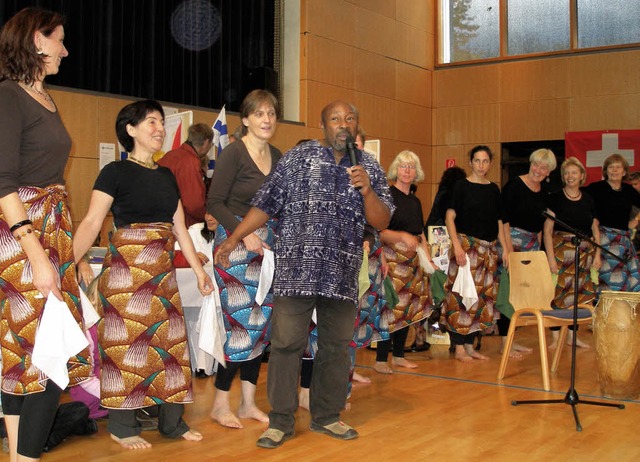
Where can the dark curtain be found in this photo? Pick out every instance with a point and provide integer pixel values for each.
(196, 52)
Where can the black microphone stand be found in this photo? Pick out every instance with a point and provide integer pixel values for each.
(572, 398)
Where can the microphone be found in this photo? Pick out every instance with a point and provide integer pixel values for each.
(351, 149)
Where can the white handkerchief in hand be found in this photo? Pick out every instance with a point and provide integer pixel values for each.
(266, 276)
(465, 286)
(57, 339)
(426, 265)
(211, 327)
(89, 313)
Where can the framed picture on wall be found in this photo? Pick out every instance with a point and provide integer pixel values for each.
(373, 148)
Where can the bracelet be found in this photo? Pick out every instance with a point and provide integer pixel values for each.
(20, 224)
(23, 234)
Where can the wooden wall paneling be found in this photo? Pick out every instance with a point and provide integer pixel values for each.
(467, 85)
(333, 19)
(341, 71)
(377, 115)
(383, 7)
(412, 45)
(448, 125)
(413, 123)
(442, 153)
(535, 79)
(416, 13)
(374, 74)
(413, 84)
(534, 120)
(375, 33)
(604, 112)
(80, 191)
(81, 119)
(614, 73)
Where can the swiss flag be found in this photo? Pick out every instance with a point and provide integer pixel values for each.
(592, 148)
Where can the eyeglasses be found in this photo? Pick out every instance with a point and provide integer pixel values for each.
(408, 166)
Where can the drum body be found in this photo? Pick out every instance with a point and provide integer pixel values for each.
(616, 328)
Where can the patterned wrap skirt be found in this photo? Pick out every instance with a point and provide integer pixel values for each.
(247, 324)
(615, 274)
(564, 250)
(142, 333)
(483, 259)
(374, 316)
(412, 286)
(21, 310)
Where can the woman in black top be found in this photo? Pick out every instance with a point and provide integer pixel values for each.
(401, 240)
(575, 208)
(614, 201)
(524, 201)
(474, 223)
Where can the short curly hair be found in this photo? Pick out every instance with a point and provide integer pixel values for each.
(402, 158)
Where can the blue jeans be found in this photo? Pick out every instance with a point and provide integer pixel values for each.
(289, 332)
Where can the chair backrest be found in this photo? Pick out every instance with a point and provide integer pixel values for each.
(530, 279)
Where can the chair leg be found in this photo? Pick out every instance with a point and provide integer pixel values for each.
(507, 347)
(556, 356)
(544, 361)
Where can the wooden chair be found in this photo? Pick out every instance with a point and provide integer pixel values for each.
(532, 290)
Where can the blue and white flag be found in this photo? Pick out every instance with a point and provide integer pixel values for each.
(220, 133)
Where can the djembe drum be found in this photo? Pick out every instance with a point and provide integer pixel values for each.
(616, 328)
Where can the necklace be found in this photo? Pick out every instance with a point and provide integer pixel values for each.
(570, 196)
(151, 165)
(43, 93)
(614, 188)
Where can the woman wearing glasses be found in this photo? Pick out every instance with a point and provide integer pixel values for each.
(401, 241)
(474, 223)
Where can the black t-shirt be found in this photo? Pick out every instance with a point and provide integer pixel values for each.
(408, 214)
(577, 214)
(478, 208)
(140, 195)
(523, 207)
(613, 208)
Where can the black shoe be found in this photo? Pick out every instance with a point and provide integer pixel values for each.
(201, 374)
(415, 348)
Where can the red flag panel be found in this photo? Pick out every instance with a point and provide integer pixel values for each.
(593, 147)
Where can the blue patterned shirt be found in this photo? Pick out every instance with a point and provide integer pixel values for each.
(321, 221)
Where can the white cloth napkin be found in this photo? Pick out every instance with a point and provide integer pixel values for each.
(210, 327)
(426, 265)
(89, 313)
(57, 339)
(465, 286)
(266, 275)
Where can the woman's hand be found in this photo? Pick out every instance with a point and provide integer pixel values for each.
(553, 265)
(254, 244)
(46, 279)
(461, 256)
(205, 285)
(84, 272)
(597, 261)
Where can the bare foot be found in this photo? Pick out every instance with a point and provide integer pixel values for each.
(382, 368)
(473, 353)
(252, 412)
(463, 357)
(303, 398)
(226, 418)
(132, 442)
(192, 435)
(403, 362)
(360, 378)
(580, 344)
(521, 348)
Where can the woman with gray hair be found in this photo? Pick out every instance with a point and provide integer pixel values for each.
(614, 200)
(523, 200)
(401, 240)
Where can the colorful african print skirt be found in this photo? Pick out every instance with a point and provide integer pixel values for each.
(142, 335)
(618, 275)
(374, 316)
(411, 283)
(21, 310)
(483, 259)
(564, 250)
(247, 324)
